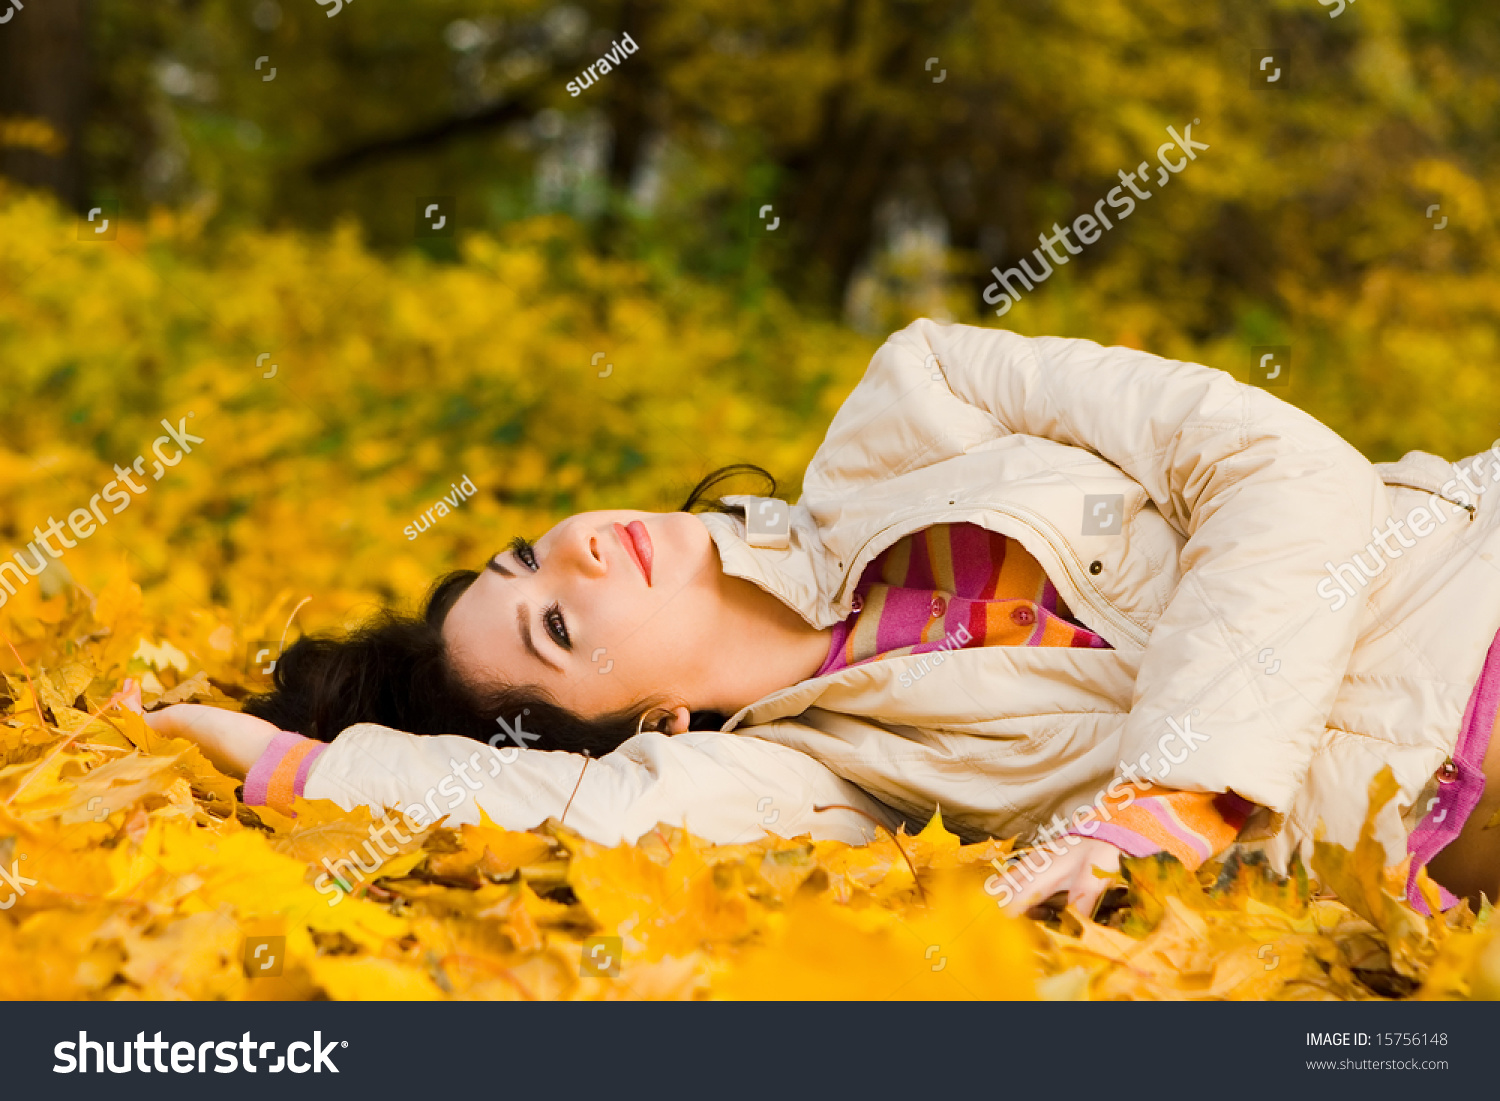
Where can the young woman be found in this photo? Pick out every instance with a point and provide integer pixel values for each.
(1056, 590)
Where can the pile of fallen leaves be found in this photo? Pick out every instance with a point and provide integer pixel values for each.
(131, 870)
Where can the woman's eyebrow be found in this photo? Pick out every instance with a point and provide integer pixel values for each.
(499, 567)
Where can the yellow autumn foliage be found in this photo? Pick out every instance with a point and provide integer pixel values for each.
(556, 381)
(138, 875)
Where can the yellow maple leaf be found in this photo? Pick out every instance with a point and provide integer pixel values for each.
(1377, 894)
(821, 950)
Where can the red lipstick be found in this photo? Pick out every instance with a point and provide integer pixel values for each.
(637, 541)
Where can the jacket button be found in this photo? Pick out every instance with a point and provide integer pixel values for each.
(1023, 617)
(1096, 567)
(859, 602)
(1448, 773)
(939, 606)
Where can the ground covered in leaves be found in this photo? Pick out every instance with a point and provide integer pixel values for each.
(131, 871)
(335, 394)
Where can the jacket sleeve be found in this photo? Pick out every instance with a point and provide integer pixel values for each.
(1266, 496)
(725, 788)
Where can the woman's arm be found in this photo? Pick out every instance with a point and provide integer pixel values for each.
(231, 740)
(1266, 496)
(274, 763)
(725, 788)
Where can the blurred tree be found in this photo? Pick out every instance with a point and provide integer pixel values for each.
(999, 119)
(44, 77)
(1304, 222)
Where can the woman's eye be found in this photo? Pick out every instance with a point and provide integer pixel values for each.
(525, 553)
(553, 619)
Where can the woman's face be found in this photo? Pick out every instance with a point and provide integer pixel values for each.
(579, 617)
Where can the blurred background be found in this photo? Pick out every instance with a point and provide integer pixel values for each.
(374, 248)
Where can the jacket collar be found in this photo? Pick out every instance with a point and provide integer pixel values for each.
(791, 574)
(807, 569)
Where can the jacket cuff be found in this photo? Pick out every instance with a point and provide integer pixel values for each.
(279, 774)
(1193, 826)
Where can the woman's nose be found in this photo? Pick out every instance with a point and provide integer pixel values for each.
(587, 555)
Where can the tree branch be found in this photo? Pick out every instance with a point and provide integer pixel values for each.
(522, 105)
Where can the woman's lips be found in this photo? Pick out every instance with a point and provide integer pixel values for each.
(637, 541)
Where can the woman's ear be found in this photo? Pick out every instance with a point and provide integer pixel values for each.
(680, 720)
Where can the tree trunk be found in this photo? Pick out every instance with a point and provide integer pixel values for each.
(44, 74)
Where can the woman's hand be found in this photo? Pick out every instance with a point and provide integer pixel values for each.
(231, 740)
(1066, 867)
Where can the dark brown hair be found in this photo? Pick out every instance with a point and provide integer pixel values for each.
(394, 670)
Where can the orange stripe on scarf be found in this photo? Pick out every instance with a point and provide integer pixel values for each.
(1194, 811)
(282, 787)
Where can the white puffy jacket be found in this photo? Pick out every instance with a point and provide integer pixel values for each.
(1239, 662)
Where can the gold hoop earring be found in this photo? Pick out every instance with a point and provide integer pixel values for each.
(641, 721)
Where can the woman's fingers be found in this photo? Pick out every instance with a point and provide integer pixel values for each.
(1066, 869)
(1088, 887)
(129, 696)
(1055, 876)
(1085, 895)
